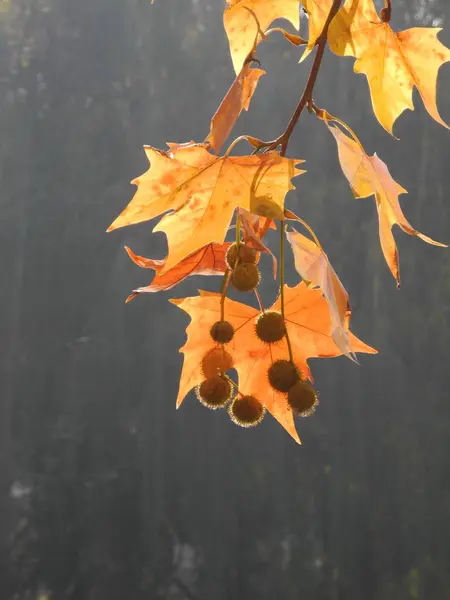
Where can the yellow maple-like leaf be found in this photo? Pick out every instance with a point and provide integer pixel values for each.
(242, 28)
(318, 11)
(308, 322)
(367, 176)
(393, 62)
(203, 192)
(236, 100)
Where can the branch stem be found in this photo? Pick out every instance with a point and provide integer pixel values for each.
(306, 99)
(291, 356)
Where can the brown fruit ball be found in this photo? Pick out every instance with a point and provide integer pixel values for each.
(270, 326)
(214, 392)
(246, 254)
(216, 360)
(246, 411)
(222, 332)
(302, 398)
(282, 375)
(245, 277)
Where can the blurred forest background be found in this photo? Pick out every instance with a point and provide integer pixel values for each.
(108, 493)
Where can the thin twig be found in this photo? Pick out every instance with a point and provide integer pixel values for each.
(306, 98)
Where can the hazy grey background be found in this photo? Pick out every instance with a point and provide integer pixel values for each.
(108, 493)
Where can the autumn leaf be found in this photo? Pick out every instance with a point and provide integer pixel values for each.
(241, 25)
(203, 192)
(209, 260)
(393, 62)
(367, 176)
(308, 322)
(318, 11)
(237, 99)
(254, 229)
(313, 266)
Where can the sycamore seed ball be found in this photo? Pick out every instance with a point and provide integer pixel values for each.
(222, 332)
(270, 326)
(246, 411)
(216, 360)
(302, 398)
(282, 375)
(245, 277)
(214, 392)
(246, 254)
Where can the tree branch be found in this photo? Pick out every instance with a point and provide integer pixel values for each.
(306, 98)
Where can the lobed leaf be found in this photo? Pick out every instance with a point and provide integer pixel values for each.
(393, 62)
(236, 100)
(209, 260)
(308, 321)
(313, 266)
(242, 18)
(203, 191)
(367, 176)
(318, 11)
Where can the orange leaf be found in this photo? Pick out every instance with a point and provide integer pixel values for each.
(367, 176)
(308, 322)
(237, 99)
(313, 266)
(318, 11)
(393, 62)
(242, 27)
(203, 191)
(209, 260)
(255, 229)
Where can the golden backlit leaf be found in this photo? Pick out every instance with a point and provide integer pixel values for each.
(237, 99)
(367, 176)
(308, 322)
(313, 266)
(209, 260)
(242, 26)
(203, 192)
(393, 62)
(318, 11)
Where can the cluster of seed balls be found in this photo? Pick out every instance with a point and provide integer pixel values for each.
(216, 391)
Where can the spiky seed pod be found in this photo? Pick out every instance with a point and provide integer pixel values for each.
(302, 398)
(245, 277)
(246, 254)
(222, 332)
(270, 326)
(246, 411)
(216, 360)
(214, 392)
(282, 375)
